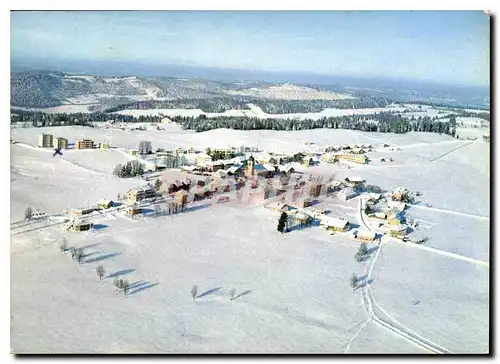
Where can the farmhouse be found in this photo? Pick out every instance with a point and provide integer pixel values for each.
(139, 194)
(83, 211)
(365, 235)
(346, 194)
(335, 224)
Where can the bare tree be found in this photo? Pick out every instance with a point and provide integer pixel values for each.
(28, 213)
(354, 281)
(194, 291)
(63, 245)
(79, 255)
(125, 286)
(100, 271)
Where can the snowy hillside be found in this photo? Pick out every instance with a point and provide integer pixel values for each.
(292, 291)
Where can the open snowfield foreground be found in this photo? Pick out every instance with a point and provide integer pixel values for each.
(292, 291)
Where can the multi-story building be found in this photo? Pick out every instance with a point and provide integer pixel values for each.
(46, 141)
(84, 144)
(61, 143)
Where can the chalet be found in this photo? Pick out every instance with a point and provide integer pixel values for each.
(180, 151)
(354, 181)
(365, 236)
(396, 205)
(346, 194)
(191, 151)
(234, 170)
(287, 169)
(302, 202)
(139, 194)
(335, 186)
(133, 210)
(105, 204)
(380, 215)
(335, 224)
(308, 161)
(134, 152)
(486, 137)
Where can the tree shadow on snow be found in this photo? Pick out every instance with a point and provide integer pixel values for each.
(372, 249)
(89, 254)
(242, 294)
(143, 287)
(210, 291)
(198, 207)
(120, 273)
(102, 257)
(90, 246)
(99, 226)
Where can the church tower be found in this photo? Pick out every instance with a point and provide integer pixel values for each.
(250, 167)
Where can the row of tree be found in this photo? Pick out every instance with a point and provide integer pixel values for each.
(384, 122)
(216, 104)
(271, 106)
(42, 119)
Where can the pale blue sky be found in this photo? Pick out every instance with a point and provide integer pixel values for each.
(448, 47)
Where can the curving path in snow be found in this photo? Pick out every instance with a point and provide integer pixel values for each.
(370, 302)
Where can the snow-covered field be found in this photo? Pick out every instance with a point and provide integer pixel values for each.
(291, 92)
(294, 288)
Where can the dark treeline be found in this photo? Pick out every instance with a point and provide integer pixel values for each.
(384, 122)
(456, 107)
(216, 104)
(270, 106)
(57, 119)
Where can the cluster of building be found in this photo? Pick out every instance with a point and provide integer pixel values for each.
(48, 141)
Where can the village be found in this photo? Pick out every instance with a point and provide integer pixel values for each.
(246, 175)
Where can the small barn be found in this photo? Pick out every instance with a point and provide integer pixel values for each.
(81, 225)
(133, 210)
(365, 236)
(335, 224)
